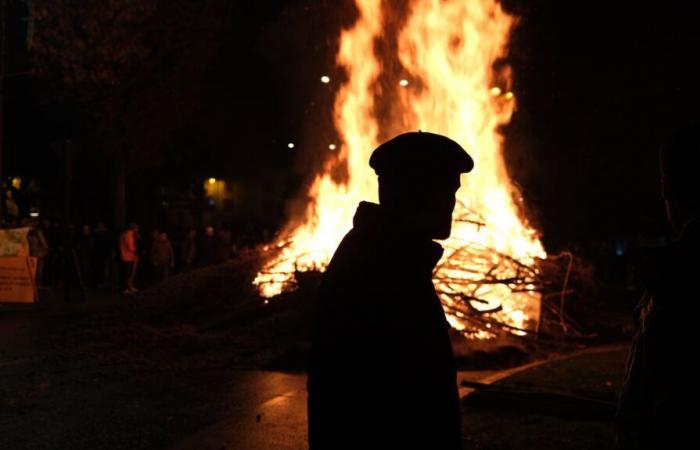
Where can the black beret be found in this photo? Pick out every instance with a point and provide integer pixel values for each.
(419, 151)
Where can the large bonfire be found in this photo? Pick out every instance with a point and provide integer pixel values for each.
(436, 66)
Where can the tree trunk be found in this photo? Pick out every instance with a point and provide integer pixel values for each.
(3, 210)
(120, 188)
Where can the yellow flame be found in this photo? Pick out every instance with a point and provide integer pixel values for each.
(449, 48)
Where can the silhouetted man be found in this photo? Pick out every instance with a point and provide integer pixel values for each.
(381, 373)
(659, 401)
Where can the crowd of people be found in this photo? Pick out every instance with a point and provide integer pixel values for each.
(97, 257)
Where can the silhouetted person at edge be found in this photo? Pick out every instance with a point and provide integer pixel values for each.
(658, 407)
(382, 373)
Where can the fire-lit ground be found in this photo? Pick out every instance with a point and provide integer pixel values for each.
(196, 363)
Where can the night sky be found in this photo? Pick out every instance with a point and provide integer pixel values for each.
(600, 87)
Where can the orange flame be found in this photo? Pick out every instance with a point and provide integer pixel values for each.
(447, 84)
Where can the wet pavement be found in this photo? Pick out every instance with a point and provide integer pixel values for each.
(78, 377)
(268, 411)
(80, 400)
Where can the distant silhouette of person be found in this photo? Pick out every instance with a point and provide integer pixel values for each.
(189, 250)
(381, 370)
(659, 399)
(39, 248)
(128, 248)
(102, 253)
(224, 242)
(85, 246)
(162, 256)
(207, 247)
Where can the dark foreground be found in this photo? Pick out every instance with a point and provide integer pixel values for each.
(130, 373)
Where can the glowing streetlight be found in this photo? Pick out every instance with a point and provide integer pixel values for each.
(509, 96)
(212, 180)
(325, 79)
(331, 147)
(290, 145)
(403, 83)
(496, 91)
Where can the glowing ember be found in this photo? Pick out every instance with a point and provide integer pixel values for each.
(449, 48)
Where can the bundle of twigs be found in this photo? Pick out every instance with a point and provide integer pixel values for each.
(468, 276)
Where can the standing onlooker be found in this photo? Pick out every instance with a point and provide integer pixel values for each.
(55, 253)
(207, 253)
(162, 256)
(189, 250)
(659, 392)
(101, 252)
(223, 245)
(39, 248)
(149, 271)
(47, 275)
(85, 247)
(129, 257)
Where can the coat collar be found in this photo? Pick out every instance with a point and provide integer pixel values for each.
(371, 219)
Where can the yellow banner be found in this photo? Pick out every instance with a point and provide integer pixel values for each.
(13, 242)
(17, 279)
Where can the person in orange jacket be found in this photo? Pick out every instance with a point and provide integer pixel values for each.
(128, 251)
